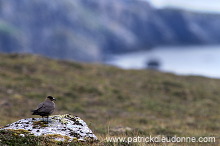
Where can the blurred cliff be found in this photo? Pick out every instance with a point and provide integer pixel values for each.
(89, 30)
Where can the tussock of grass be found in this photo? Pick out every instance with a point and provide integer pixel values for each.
(149, 102)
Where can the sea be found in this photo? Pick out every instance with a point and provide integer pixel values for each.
(180, 60)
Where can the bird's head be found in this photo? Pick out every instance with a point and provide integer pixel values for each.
(51, 98)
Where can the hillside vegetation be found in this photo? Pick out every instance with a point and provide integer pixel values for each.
(110, 99)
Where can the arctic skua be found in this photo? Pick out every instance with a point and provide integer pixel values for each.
(45, 108)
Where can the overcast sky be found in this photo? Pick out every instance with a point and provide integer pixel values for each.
(196, 5)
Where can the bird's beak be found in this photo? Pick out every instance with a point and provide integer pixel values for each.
(54, 99)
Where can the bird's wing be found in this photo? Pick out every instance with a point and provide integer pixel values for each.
(39, 107)
(45, 107)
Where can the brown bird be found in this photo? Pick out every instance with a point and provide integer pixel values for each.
(45, 108)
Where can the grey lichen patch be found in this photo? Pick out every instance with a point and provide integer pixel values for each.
(75, 119)
(60, 118)
(65, 118)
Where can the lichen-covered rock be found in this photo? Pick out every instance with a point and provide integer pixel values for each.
(60, 128)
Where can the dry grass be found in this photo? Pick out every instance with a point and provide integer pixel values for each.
(107, 98)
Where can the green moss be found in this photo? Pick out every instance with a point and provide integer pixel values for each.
(39, 124)
(57, 136)
(20, 131)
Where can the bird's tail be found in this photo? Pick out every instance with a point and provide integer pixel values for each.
(34, 112)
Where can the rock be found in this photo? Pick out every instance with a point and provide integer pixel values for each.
(153, 64)
(60, 128)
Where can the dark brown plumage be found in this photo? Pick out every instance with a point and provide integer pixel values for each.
(45, 108)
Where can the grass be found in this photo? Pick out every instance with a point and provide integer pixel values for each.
(108, 98)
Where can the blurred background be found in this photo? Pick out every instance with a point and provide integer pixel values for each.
(168, 35)
(140, 36)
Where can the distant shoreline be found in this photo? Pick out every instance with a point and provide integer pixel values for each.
(189, 60)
